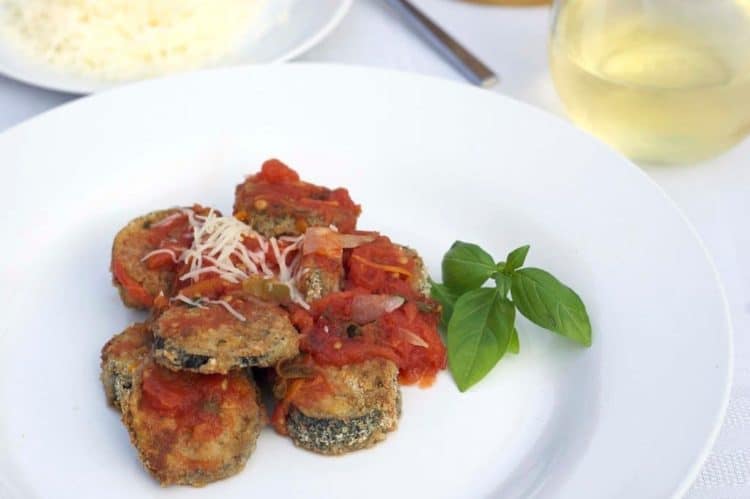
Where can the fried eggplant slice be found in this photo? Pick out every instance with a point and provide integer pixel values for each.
(420, 280)
(121, 356)
(342, 409)
(139, 285)
(145, 252)
(382, 266)
(218, 337)
(354, 326)
(192, 429)
(276, 202)
(320, 275)
(321, 270)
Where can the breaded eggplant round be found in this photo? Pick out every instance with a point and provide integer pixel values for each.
(358, 406)
(318, 277)
(192, 429)
(121, 356)
(275, 202)
(210, 339)
(382, 266)
(420, 281)
(138, 285)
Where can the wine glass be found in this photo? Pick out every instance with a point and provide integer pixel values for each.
(664, 81)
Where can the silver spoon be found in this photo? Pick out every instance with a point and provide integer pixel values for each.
(463, 60)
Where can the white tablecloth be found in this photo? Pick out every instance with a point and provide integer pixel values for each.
(715, 195)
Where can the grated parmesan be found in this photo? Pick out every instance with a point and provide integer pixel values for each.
(219, 248)
(201, 303)
(163, 251)
(118, 40)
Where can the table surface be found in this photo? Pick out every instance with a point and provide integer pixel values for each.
(715, 195)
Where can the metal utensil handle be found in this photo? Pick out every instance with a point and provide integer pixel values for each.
(468, 64)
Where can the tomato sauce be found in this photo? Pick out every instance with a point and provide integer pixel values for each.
(194, 401)
(322, 262)
(133, 289)
(298, 383)
(172, 232)
(278, 191)
(406, 336)
(383, 267)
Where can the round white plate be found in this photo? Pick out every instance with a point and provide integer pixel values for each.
(430, 161)
(285, 30)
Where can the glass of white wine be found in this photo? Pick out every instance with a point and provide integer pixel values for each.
(664, 81)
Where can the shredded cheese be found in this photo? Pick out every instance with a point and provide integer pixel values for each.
(188, 301)
(219, 247)
(128, 39)
(229, 309)
(201, 303)
(163, 251)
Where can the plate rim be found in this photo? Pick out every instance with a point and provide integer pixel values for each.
(720, 415)
(728, 373)
(89, 87)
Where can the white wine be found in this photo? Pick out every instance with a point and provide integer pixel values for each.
(663, 87)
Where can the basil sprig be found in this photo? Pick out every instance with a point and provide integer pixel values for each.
(466, 266)
(550, 304)
(480, 321)
(490, 317)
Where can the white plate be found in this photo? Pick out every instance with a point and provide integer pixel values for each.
(431, 161)
(285, 30)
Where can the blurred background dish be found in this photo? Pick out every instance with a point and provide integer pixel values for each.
(60, 44)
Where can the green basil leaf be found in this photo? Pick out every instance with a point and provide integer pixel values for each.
(478, 334)
(503, 283)
(466, 266)
(548, 303)
(516, 258)
(515, 344)
(446, 297)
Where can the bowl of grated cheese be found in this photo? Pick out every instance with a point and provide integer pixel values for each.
(84, 46)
